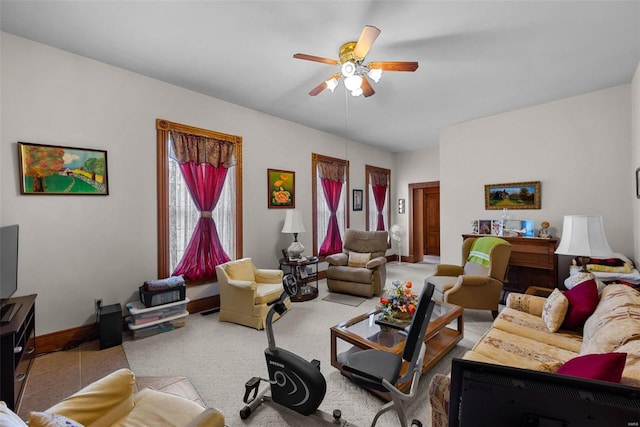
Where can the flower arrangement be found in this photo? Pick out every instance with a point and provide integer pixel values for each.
(398, 301)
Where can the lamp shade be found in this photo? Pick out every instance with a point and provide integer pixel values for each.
(293, 222)
(583, 235)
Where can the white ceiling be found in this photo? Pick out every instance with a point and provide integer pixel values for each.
(476, 58)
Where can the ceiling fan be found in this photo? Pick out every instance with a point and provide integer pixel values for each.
(352, 66)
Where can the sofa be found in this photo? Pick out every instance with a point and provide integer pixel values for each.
(521, 337)
(111, 401)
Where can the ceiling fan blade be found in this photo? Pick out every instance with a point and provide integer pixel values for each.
(322, 86)
(315, 58)
(367, 90)
(367, 37)
(394, 66)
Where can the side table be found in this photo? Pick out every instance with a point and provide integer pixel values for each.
(306, 273)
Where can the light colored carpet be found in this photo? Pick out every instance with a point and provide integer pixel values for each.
(219, 357)
(351, 300)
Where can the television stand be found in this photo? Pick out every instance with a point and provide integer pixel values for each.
(8, 310)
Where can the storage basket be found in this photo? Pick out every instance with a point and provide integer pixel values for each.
(162, 296)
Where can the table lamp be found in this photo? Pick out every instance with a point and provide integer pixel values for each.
(583, 237)
(293, 224)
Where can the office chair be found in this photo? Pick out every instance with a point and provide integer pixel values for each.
(380, 370)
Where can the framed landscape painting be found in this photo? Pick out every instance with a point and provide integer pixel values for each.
(57, 170)
(282, 188)
(516, 195)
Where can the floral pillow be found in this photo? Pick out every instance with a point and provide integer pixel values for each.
(554, 310)
(44, 419)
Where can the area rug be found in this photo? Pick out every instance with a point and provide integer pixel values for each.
(351, 300)
(219, 357)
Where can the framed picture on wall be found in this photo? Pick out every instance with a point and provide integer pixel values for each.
(357, 200)
(515, 195)
(58, 170)
(281, 189)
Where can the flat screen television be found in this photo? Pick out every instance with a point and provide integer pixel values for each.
(9, 237)
(500, 396)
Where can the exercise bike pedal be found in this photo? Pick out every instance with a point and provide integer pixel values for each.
(316, 363)
(251, 386)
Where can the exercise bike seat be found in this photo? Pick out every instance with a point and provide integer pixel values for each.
(299, 384)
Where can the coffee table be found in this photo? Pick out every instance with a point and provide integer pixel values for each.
(445, 330)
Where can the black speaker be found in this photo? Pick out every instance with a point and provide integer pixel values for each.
(110, 325)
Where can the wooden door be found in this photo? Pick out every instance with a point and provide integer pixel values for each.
(432, 221)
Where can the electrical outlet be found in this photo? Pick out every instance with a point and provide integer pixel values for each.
(98, 303)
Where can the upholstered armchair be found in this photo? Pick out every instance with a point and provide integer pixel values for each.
(361, 268)
(245, 291)
(477, 284)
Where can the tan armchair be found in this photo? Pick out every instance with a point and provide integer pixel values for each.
(474, 285)
(245, 291)
(361, 268)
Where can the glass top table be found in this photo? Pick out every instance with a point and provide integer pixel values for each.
(445, 330)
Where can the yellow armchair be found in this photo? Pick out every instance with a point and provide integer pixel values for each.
(111, 401)
(245, 291)
(474, 285)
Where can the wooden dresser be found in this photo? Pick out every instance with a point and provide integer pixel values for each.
(532, 263)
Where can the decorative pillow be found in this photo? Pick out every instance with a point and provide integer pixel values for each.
(554, 310)
(357, 259)
(8, 418)
(603, 367)
(583, 300)
(43, 419)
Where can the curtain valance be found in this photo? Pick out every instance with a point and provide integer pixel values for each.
(331, 171)
(380, 178)
(199, 149)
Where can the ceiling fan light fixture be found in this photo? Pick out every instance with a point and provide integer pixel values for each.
(356, 92)
(353, 82)
(375, 74)
(348, 69)
(331, 84)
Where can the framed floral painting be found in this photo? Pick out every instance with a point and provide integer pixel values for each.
(282, 188)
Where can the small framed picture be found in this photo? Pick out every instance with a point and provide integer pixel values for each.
(484, 226)
(357, 200)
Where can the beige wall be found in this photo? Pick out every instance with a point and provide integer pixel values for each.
(77, 248)
(579, 148)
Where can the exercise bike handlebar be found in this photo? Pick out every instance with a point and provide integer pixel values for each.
(278, 306)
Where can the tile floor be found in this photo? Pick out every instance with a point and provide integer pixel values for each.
(57, 375)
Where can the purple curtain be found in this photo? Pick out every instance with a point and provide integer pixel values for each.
(204, 250)
(379, 183)
(332, 243)
(380, 194)
(204, 163)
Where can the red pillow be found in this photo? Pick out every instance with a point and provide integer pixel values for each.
(583, 300)
(603, 367)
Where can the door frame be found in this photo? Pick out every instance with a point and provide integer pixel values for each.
(416, 219)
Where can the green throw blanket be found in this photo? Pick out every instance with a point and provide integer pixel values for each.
(481, 248)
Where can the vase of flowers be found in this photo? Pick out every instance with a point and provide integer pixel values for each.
(398, 303)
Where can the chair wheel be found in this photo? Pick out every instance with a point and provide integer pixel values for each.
(245, 412)
(416, 423)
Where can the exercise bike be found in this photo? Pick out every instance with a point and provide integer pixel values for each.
(295, 383)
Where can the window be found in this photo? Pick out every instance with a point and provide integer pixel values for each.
(378, 182)
(330, 189)
(177, 213)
